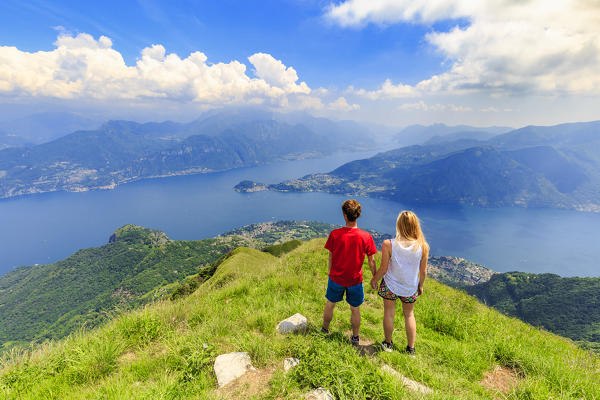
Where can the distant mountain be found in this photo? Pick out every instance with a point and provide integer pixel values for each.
(566, 306)
(551, 168)
(215, 122)
(124, 151)
(44, 127)
(475, 136)
(437, 133)
(7, 141)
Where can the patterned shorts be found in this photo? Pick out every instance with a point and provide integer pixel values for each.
(386, 293)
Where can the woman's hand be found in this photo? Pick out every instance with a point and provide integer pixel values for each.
(420, 290)
(373, 283)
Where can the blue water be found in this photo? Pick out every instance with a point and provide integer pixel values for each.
(48, 227)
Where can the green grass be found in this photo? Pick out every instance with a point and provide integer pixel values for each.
(280, 249)
(167, 350)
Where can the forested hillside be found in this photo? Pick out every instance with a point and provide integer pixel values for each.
(566, 306)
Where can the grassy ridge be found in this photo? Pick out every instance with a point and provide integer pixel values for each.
(166, 351)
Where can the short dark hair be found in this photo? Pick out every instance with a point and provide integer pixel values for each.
(352, 209)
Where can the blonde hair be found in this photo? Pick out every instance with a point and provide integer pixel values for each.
(408, 227)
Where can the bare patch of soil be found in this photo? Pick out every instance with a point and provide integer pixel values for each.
(501, 379)
(251, 385)
(365, 347)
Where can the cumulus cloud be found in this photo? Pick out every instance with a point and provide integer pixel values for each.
(507, 47)
(422, 106)
(341, 104)
(387, 90)
(84, 67)
(490, 109)
(275, 73)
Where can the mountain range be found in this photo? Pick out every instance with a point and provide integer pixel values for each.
(44, 127)
(556, 166)
(438, 133)
(124, 151)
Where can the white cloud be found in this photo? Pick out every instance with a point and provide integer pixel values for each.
(490, 109)
(275, 73)
(387, 90)
(508, 46)
(422, 106)
(341, 104)
(83, 67)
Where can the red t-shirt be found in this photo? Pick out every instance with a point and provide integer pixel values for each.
(348, 247)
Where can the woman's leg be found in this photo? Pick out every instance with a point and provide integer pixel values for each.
(409, 323)
(389, 311)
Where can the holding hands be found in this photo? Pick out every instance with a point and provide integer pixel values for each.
(373, 283)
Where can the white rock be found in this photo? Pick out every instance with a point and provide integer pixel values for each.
(319, 394)
(407, 382)
(230, 366)
(290, 363)
(295, 323)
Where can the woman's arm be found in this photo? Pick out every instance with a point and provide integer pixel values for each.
(386, 253)
(423, 270)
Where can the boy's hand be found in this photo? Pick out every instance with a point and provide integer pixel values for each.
(373, 283)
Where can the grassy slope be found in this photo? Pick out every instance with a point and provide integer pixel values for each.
(158, 353)
(51, 301)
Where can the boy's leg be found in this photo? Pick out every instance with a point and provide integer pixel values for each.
(355, 320)
(355, 296)
(409, 323)
(335, 293)
(389, 311)
(328, 314)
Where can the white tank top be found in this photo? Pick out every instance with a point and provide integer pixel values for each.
(402, 276)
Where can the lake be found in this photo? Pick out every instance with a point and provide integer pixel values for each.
(48, 227)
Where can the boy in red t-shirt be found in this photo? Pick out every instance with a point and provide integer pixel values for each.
(347, 248)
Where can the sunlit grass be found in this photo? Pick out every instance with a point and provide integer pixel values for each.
(167, 350)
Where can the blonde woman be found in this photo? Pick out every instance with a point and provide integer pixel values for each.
(402, 272)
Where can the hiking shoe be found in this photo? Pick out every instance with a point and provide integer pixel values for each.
(324, 331)
(387, 347)
(354, 340)
(410, 351)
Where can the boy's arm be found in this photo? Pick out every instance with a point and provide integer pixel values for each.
(372, 264)
(330, 260)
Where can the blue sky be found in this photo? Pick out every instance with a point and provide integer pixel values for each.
(292, 31)
(444, 61)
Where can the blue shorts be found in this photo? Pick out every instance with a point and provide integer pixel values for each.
(355, 295)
